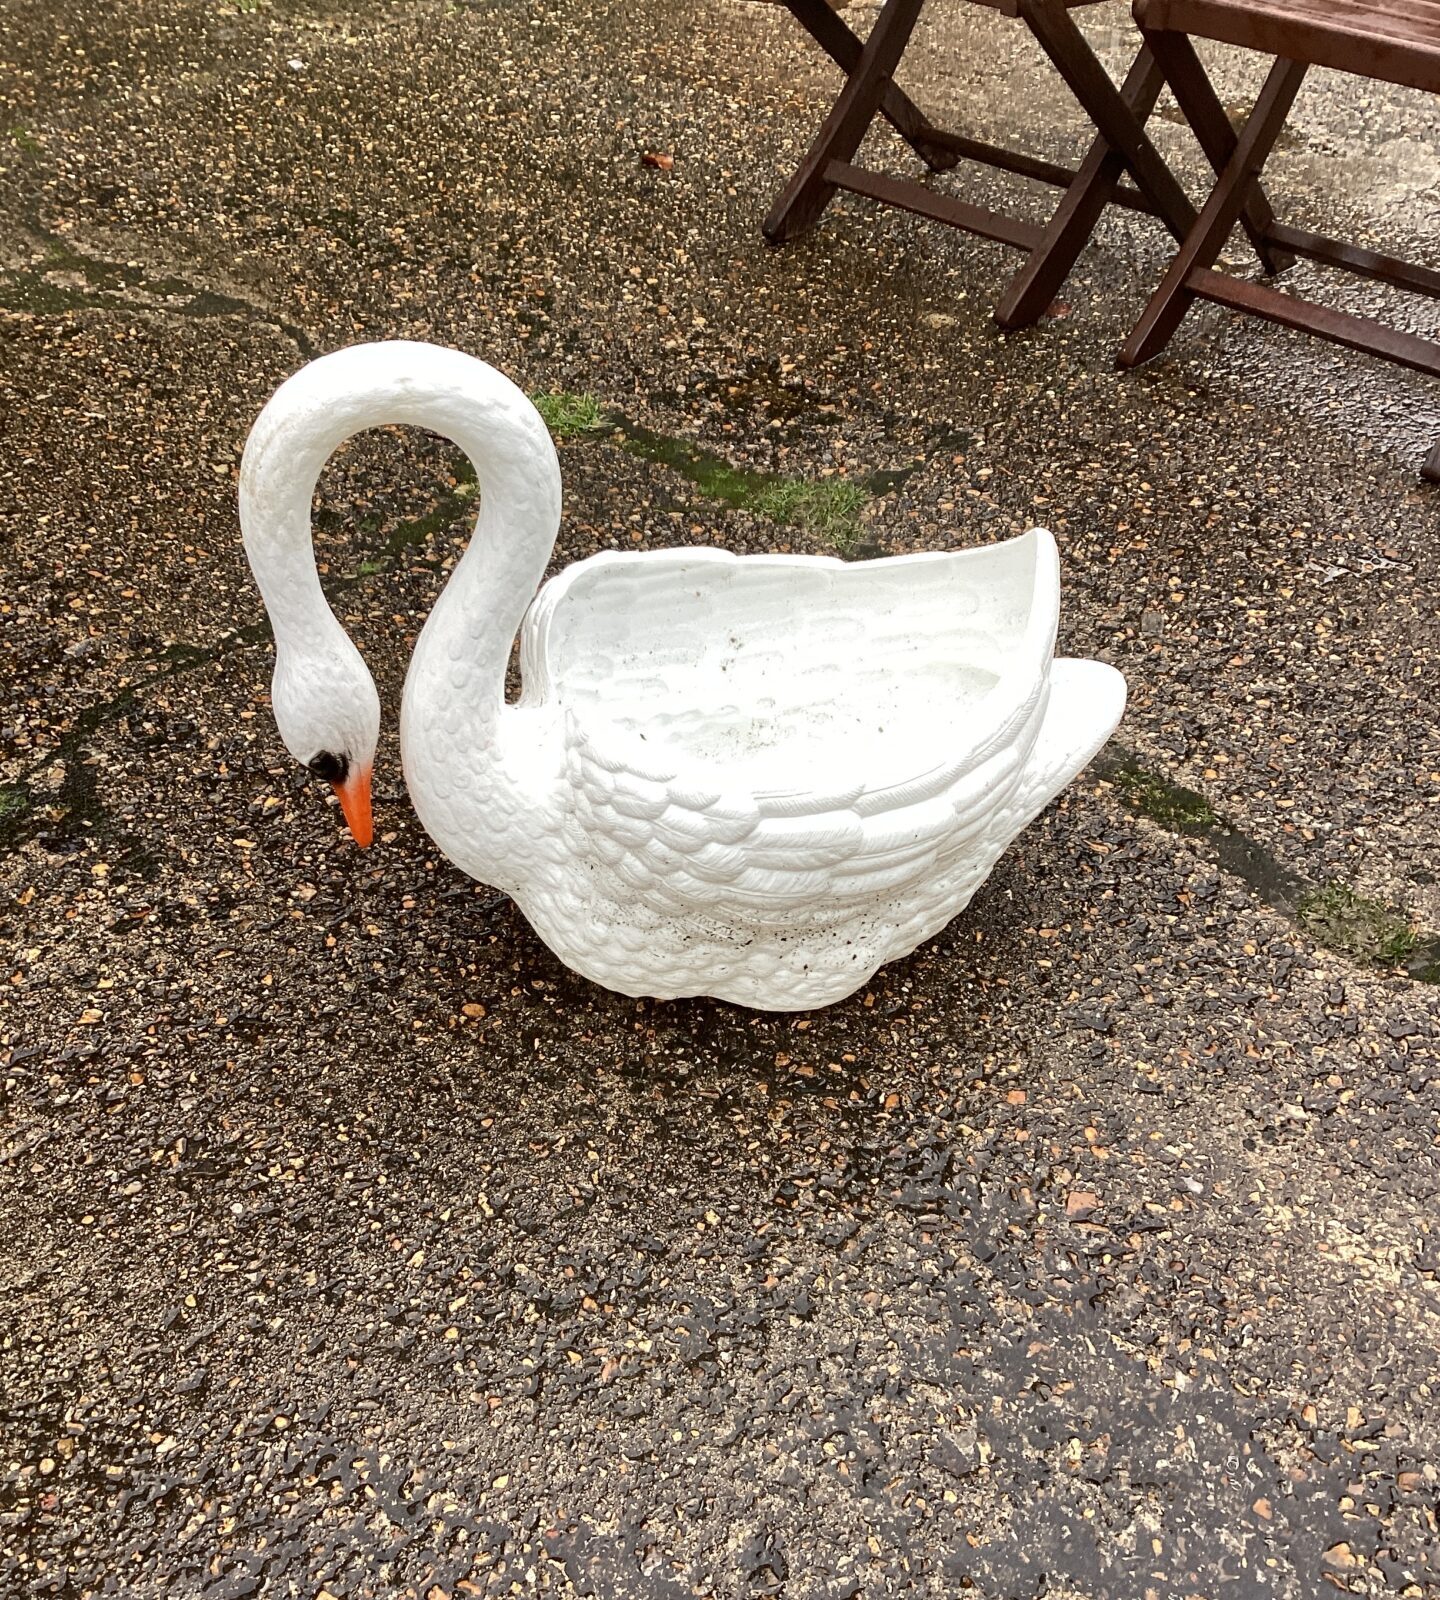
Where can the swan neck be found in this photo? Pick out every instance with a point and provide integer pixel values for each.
(465, 645)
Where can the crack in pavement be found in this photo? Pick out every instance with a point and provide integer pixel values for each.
(1188, 814)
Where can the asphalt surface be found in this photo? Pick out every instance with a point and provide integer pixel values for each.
(352, 1247)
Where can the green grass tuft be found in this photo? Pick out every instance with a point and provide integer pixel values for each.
(1369, 930)
(567, 415)
(828, 510)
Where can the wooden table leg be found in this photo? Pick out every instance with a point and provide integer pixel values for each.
(1205, 240)
(1067, 233)
(840, 43)
(1210, 124)
(805, 197)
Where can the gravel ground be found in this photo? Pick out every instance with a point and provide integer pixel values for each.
(354, 1248)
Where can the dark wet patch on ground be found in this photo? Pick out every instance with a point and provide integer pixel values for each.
(67, 278)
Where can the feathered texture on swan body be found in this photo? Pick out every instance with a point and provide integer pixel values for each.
(757, 777)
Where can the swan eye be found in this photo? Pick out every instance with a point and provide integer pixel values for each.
(331, 768)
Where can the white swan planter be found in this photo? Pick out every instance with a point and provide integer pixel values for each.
(757, 778)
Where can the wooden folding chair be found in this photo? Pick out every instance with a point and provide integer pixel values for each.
(1395, 41)
(1118, 113)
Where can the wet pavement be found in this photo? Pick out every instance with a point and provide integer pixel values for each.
(352, 1247)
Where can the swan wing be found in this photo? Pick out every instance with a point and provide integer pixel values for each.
(625, 635)
(758, 734)
(685, 842)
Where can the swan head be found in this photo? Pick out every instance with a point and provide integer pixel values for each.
(328, 714)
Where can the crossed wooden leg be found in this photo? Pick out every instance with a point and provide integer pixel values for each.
(867, 90)
(1238, 161)
(1120, 114)
(1122, 145)
(839, 42)
(1210, 123)
(1221, 211)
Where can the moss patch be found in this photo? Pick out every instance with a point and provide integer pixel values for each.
(712, 475)
(827, 509)
(1169, 804)
(16, 814)
(1334, 915)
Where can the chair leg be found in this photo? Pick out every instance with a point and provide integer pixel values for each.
(1203, 243)
(1211, 126)
(1037, 283)
(1431, 469)
(1051, 23)
(899, 110)
(805, 197)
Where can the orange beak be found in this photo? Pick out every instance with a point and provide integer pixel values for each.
(354, 797)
